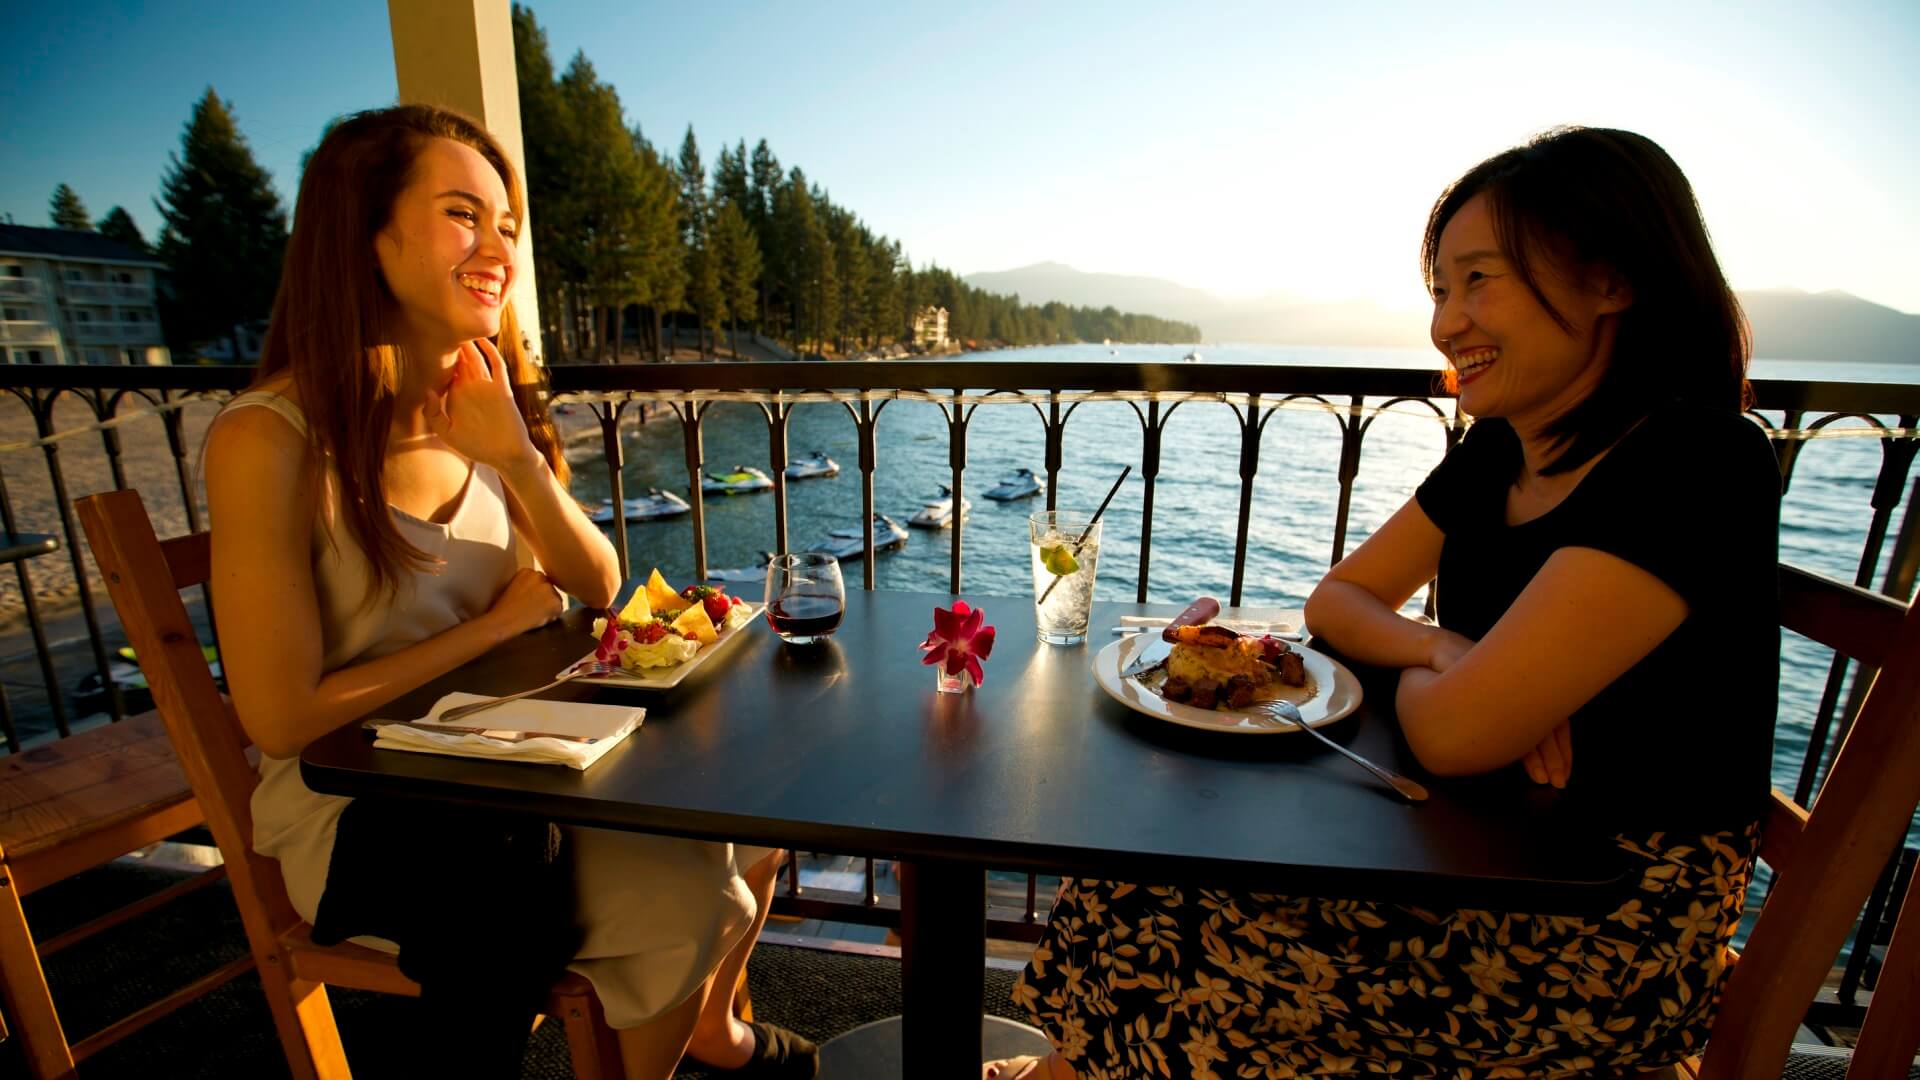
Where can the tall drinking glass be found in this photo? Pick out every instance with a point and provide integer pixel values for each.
(805, 597)
(1066, 548)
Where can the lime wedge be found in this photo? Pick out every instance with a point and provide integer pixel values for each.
(1058, 560)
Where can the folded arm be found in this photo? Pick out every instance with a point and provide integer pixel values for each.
(1471, 707)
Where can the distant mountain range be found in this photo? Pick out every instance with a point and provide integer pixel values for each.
(1788, 324)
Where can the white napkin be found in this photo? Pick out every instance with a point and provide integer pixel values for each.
(607, 725)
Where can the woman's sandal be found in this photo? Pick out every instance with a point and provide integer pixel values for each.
(778, 1054)
(1023, 1067)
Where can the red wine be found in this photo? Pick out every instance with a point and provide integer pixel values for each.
(804, 616)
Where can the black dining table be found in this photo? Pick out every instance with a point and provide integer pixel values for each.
(846, 746)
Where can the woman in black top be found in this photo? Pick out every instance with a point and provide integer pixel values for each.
(1605, 540)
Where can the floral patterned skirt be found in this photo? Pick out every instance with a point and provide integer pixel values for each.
(1150, 981)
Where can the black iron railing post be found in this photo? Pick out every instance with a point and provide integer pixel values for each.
(1152, 428)
(866, 425)
(957, 418)
(43, 419)
(616, 460)
(1056, 430)
(1352, 430)
(34, 625)
(692, 414)
(779, 414)
(1251, 425)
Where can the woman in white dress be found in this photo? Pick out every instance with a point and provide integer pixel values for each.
(389, 502)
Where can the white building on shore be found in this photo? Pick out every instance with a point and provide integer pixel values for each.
(930, 328)
(69, 296)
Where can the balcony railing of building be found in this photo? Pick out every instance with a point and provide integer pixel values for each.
(97, 332)
(107, 292)
(28, 332)
(1249, 396)
(15, 287)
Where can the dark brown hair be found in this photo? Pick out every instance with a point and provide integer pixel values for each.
(1598, 198)
(332, 316)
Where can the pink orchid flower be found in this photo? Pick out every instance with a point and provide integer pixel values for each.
(959, 641)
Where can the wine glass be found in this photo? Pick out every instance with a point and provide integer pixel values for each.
(805, 596)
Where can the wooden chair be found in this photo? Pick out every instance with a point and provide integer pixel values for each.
(68, 806)
(144, 576)
(1827, 859)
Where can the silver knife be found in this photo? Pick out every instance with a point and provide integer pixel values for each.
(1151, 657)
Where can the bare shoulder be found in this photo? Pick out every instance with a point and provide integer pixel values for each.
(255, 447)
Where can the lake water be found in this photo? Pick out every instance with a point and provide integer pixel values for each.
(1824, 517)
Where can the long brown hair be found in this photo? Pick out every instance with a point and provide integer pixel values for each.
(1603, 198)
(332, 317)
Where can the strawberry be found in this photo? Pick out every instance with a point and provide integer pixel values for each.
(714, 598)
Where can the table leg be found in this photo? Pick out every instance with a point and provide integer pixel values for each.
(943, 953)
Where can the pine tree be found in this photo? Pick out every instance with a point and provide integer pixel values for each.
(739, 259)
(704, 291)
(665, 276)
(224, 233)
(119, 225)
(552, 145)
(67, 209)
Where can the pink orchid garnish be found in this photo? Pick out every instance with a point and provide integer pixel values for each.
(614, 641)
(959, 641)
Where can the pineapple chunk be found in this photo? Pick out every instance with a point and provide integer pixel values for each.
(638, 610)
(664, 600)
(695, 624)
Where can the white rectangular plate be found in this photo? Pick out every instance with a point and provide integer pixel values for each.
(667, 678)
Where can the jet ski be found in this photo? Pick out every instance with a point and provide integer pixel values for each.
(743, 573)
(938, 512)
(654, 504)
(814, 464)
(1022, 484)
(846, 544)
(742, 478)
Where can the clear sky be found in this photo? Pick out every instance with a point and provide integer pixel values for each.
(1243, 148)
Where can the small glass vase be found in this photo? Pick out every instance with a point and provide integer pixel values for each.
(952, 684)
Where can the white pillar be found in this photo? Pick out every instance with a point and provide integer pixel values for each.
(459, 53)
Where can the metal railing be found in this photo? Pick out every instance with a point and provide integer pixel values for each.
(19, 287)
(1794, 412)
(29, 332)
(107, 292)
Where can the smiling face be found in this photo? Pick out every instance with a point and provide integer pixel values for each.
(447, 251)
(1512, 358)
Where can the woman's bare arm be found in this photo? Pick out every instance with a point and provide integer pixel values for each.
(1356, 607)
(1582, 622)
(261, 497)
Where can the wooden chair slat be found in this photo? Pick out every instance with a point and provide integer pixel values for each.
(1781, 830)
(1891, 1035)
(144, 577)
(1828, 859)
(1845, 618)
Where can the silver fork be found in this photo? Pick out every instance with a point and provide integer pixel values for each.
(1285, 712)
(584, 669)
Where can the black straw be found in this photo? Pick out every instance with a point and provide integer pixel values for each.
(1088, 531)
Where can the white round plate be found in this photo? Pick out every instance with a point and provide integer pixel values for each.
(1336, 693)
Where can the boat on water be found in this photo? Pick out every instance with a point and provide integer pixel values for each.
(741, 478)
(845, 544)
(938, 511)
(1192, 357)
(743, 573)
(814, 464)
(654, 504)
(1020, 484)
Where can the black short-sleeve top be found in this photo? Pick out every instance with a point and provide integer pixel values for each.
(1692, 496)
